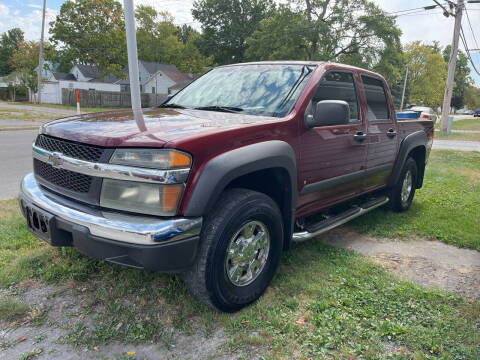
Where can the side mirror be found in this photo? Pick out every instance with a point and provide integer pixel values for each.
(329, 112)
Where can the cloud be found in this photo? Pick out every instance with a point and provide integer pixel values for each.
(29, 22)
(35, 6)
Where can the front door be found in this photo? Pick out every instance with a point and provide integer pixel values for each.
(381, 133)
(332, 157)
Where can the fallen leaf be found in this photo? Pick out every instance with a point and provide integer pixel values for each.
(300, 320)
(96, 348)
(20, 339)
(130, 352)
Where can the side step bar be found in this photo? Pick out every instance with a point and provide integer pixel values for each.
(340, 219)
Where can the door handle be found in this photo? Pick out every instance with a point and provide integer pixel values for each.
(391, 133)
(359, 136)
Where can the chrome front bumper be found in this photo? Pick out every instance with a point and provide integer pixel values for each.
(111, 225)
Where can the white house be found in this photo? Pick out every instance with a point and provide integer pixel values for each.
(156, 78)
(82, 77)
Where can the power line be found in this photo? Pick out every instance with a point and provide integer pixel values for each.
(471, 28)
(467, 50)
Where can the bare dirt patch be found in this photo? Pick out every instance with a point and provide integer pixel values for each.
(429, 263)
(63, 309)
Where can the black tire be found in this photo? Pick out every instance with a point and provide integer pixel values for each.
(207, 279)
(397, 201)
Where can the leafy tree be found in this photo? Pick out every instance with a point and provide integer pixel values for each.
(158, 40)
(8, 44)
(226, 24)
(91, 32)
(472, 97)
(354, 32)
(25, 60)
(427, 74)
(186, 33)
(462, 77)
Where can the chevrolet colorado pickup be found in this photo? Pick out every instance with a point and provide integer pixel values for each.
(220, 179)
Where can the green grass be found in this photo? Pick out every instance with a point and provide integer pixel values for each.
(74, 108)
(12, 309)
(467, 124)
(446, 208)
(20, 114)
(323, 303)
(458, 136)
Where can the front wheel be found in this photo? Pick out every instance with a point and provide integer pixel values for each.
(401, 195)
(240, 247)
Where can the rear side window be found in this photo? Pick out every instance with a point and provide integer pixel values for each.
(338, 85)
(377, 103)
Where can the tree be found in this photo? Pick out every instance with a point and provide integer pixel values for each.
(427, 74)
(158, 40)
(25, 60)
(353, 32)
(91, 32)
(226, 24)
(461, 79)
(8, 44)
(472, 97)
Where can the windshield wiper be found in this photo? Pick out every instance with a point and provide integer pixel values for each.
(176, 106)
(231, 109)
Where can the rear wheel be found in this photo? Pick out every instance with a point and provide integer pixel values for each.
(401, 195)
(240, 247)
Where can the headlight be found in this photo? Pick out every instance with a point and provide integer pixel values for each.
(145, 198)
(151, 158)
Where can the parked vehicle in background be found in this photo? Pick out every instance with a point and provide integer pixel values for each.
(469, 112)
(476, 113)
(425, 112)
(220, 180)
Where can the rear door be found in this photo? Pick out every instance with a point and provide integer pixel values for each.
(382, 136)
(332, 158)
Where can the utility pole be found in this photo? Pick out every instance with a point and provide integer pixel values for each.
(404, 87)
(132, 51)
(451, 68)
(40, 56)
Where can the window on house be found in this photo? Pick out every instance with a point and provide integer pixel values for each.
(377, 103)
(338, 85)
(153, 89)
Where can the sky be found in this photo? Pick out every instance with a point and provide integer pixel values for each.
(427, 25)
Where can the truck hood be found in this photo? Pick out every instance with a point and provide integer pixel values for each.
(156, 128)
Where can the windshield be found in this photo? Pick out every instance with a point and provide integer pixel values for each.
(267, 89)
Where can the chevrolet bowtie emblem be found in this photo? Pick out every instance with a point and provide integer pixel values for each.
(55, 159)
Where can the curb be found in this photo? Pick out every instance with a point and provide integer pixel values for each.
(19, 128)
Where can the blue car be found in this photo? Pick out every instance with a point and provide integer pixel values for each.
(476, 113)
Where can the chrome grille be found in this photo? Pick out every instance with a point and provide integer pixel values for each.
(67, 148)
(66, 179)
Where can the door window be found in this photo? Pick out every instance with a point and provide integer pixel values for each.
(377, 103)
(338, 85)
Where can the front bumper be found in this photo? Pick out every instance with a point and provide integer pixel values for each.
(168, 245)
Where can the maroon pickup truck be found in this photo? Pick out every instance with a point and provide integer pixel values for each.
(220, 179)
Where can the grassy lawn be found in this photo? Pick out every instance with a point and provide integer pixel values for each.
(446, 208)
(467, 124)
(458, 136)
(323, 302)
(73, 108)
(28, 115)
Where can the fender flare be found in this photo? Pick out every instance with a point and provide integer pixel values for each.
(412, 141)
(219, 171)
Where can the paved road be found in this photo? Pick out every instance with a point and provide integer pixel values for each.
(456, 145)
(16, 160)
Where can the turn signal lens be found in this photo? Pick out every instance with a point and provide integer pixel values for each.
(170, 197)
(178, 159)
